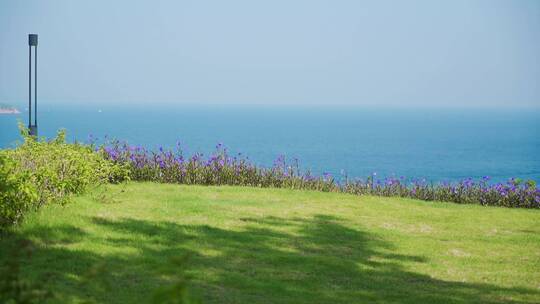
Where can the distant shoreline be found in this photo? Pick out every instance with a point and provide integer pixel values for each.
(9, 111)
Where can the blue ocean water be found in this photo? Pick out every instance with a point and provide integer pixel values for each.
(436, 144)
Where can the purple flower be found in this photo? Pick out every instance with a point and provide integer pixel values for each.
(280, 161)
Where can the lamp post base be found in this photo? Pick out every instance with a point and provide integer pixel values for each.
(33, 130)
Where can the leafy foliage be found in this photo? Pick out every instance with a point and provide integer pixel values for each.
(59, 169)
(17, 193)
(39, 172)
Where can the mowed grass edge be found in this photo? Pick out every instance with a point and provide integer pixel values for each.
(251, 245)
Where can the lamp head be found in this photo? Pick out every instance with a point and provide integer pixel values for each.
(32, 39)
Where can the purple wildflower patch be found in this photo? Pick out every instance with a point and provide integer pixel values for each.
(222, 169)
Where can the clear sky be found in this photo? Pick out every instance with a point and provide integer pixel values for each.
(302, 52)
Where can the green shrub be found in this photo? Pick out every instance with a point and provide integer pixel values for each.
(59, 169)
(17, 193)
(39, 172)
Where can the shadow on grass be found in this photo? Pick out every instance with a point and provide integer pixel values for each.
(269, 260)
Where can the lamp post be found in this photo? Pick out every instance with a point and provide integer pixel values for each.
(32, 41)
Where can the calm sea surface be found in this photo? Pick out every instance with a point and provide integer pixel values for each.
(434, 144)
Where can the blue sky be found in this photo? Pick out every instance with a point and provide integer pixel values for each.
(361, 53)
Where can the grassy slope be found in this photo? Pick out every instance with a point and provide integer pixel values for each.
(282, 246)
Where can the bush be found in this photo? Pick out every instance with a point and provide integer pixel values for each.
(17, 193)
(39, 172)
(59, 169)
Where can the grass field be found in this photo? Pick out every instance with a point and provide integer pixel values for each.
(249, 245)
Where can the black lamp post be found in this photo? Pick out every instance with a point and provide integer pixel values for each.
(32, 41)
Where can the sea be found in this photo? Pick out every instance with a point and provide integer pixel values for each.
(433, 144)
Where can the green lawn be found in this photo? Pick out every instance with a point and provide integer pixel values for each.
(251, 245)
